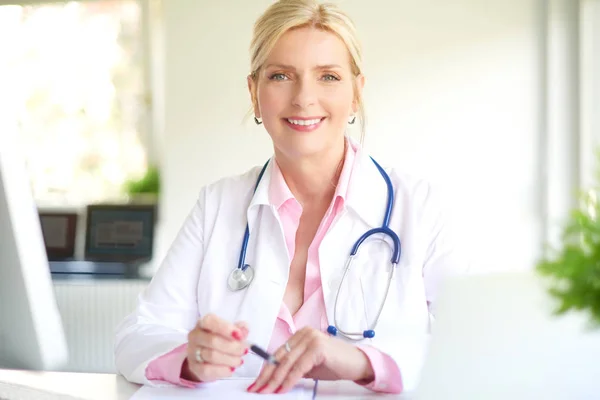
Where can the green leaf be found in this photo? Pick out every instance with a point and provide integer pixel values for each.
(149, 183)
(574, 268)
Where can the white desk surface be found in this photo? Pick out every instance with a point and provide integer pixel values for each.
(71, 385)
(25, 385)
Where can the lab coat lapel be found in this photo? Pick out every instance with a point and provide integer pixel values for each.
(367, 191)
(366, 200)
(261, 194)
(267, 254)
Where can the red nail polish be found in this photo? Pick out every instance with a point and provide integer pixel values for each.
(279, 389)
(232, 369)
(249, 388)
(246, 352)
(236, 335)
(262, 388)
(242, 363)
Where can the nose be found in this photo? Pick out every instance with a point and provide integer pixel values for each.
(305, 93)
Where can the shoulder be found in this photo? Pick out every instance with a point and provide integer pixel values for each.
(419, 190)
(424, 202)
(409, 188)
(419, 196)
(240, 184)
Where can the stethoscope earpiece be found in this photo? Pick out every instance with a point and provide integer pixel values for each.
(368, 334)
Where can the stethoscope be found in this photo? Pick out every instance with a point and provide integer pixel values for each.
(243, 275)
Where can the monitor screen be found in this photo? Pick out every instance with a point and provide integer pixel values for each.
(120, 233)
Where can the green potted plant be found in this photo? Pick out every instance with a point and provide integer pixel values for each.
(145, 189)
(574, 269)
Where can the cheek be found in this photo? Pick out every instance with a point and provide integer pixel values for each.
(339, 104)
(272, 101)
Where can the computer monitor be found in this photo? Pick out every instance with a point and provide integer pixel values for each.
(31, 331)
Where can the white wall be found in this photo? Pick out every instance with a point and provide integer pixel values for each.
(590, 71)
(454, 93)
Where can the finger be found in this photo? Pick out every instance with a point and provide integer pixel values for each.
(286, 366)
(297, 366)
(214, 356)
(210, 340)
(266, 380)
(208, 372)
(287, 363)
(313, 343)
(243, 326)
(262, 379)
(303, 365)
(214, 324)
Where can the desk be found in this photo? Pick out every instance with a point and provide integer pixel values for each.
(85, 386)
(67, 385)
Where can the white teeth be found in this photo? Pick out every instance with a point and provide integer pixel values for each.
(304, 122)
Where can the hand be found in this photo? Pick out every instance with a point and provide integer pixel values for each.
(221, 345)
(313, 355)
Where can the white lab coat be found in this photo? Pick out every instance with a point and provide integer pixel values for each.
(192, 281)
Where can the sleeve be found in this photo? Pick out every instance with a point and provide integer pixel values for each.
(167, 368)
(387, 374)
(167, 309)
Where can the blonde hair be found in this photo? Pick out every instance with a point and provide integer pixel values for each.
(285, 15)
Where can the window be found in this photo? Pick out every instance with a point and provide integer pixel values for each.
(78, 74)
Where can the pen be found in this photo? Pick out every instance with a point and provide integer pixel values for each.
(263, 354)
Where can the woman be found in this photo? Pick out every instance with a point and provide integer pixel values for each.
(314, 199)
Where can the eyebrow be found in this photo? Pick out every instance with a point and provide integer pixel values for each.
(290, 67)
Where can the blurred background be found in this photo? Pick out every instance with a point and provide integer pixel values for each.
(496, 102)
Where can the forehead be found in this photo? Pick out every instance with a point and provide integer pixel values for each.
(308, 46)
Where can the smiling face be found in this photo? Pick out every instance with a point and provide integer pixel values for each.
(305, 93)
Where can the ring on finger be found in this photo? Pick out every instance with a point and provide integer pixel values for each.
(287, 347)
(198, 356)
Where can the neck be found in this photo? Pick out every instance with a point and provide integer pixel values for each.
(312, 181)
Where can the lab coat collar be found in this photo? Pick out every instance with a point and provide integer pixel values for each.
(366, 196)
(261, 195)
(367, 191)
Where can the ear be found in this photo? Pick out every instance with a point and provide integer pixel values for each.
(252, 90)
(359, 84)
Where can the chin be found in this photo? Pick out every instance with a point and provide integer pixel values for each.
(296, 144)
(304, 147)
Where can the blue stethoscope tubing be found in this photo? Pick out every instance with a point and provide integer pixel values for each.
(242, 276)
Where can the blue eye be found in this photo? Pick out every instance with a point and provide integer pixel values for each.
(277, 77)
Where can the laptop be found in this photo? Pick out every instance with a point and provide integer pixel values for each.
(496, 337)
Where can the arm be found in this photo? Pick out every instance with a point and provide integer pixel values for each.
(167, 308)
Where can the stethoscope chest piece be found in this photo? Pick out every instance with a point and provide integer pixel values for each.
(240, 278)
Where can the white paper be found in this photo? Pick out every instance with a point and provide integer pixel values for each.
(223, 389)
